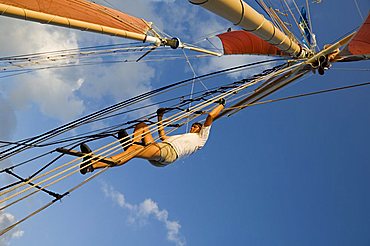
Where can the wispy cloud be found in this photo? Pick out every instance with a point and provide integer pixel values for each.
(140, 213)
(53, 94)
(7, 219)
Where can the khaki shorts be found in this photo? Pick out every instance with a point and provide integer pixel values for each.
(167, 155)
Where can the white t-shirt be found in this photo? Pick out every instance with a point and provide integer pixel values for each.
(186, 144)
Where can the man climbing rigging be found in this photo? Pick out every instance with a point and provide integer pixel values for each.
(160, 154)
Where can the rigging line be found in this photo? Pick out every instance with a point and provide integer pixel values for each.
(77, 137)
(308, 94)
(82, 64)
(27, 161)
(309, 28)
(192, 69)
(220, 50)
(309, 16)
(49, 192)
(359, 10)
(98, 47)
(12, 75)
(265, 8)
(352, 69)
(59, 130)
(68, 192)
(181, 85)
(295, 20)
(32, 179)
(110, 4)
(210, 35)
(41, 182)
(175, 119)
(7, 143)
(288, 21)
(71, 59)
(192, 85)
(39, 171)
(37, 60)
(86, 134)
(51, 203)
(259, 4)
(62, 172)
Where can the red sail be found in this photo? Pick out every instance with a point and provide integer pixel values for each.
(360, 43)
(84, 11)
(242, 42)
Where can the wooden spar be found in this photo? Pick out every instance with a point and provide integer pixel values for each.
(30, 15)
(260, 93)
(243, 15)
(287, 77)
(84, 24)
(201, 50)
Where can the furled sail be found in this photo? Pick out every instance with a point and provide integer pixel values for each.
(79, 14)
(359, 47)
(242, 42)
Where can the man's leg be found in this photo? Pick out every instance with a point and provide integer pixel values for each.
(149, 151)
(142, 134)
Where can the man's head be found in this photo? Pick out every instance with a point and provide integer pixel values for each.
(195, 127)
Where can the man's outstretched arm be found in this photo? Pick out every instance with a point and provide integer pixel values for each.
(161, 132)
(215, 112)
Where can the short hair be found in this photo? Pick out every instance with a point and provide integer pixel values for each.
(198, 124)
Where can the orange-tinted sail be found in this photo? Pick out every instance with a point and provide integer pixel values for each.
(242, 42)
(359, 46)
(84, 11)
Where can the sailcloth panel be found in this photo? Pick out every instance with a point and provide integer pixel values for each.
(360, 43)
(84, 11)
(243, 42)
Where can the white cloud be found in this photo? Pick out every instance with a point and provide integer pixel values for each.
(8, 119)
(48, 89)
(140, 213)
(7, 129)
(7, 219)
(120, 81)
(51, 93)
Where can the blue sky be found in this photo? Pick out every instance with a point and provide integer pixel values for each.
(287, 173)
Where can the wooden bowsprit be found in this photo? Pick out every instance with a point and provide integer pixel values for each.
(320, 61)
(81, 154)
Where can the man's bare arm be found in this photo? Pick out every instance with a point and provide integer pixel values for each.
(215, 112)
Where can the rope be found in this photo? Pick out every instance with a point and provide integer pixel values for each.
(359, 10)
(177, 117)
(50, 203)
(63, 174)
(57, 131)
(302, 95)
